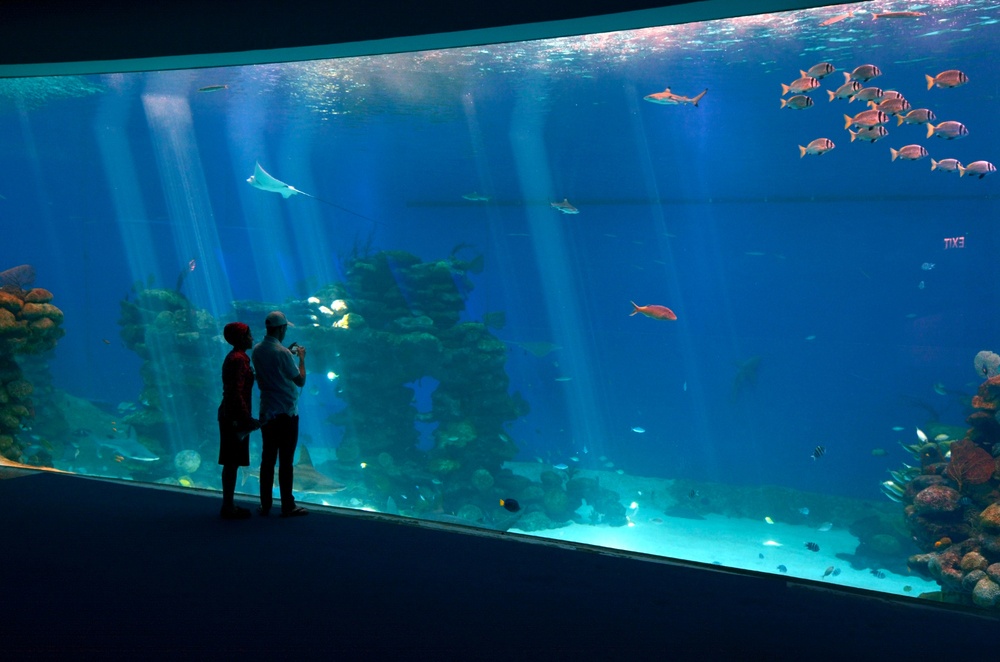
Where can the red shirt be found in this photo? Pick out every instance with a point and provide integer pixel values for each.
(237, 388)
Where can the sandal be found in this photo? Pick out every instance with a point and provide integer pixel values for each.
(295, 512)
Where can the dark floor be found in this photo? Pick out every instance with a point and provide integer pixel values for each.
(96, 568)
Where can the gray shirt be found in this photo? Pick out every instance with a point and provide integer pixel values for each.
(276, 371)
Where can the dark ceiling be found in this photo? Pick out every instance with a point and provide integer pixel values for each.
(54, 31)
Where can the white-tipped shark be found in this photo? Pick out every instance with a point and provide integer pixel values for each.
(668, 98)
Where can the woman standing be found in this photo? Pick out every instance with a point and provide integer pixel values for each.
(236, 420)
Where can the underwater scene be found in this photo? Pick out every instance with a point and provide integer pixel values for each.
(720, 292)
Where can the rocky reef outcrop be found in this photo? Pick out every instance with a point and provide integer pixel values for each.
(30, 324)
(392, 328)
(952, 502)
(181, 353)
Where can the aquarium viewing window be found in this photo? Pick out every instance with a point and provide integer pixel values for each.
(717, 291)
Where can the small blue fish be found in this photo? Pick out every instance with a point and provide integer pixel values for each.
(638, 429)
(782, 568)
(927, 266)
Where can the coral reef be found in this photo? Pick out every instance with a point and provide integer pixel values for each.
(30, 325)
(952, 501)
(391, 334)
(181, 350)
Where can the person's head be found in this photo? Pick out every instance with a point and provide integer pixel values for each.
(238, 335)
(276, 324)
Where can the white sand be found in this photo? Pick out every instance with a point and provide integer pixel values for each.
(733, 542)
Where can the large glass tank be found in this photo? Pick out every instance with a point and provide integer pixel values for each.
(719, 291)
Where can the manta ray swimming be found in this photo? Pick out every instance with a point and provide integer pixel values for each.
(265, 182)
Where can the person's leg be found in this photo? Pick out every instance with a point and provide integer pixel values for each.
(229, 472)
(286, 451)
(270, 435)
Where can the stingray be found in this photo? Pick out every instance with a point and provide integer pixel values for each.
(265, 182)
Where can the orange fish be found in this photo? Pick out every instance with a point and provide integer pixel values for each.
(944, 542)
(656, 312)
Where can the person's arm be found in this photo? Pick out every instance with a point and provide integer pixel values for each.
(300, 379)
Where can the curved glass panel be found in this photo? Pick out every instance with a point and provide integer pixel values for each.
(714, 291)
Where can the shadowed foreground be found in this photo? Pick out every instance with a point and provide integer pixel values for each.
(93, 566)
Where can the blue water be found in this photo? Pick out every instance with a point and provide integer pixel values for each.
(811, 264)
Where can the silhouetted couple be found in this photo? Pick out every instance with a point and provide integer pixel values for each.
(279, 380)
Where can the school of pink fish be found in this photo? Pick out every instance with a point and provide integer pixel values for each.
(882, 105)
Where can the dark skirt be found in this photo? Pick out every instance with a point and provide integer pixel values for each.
(234, 447)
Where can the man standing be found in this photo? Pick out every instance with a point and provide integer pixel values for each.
(279, 382)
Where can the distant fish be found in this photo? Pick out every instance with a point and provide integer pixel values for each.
(898, 428)
(921, 436)
(804, 511)
(565, 207)
(812, 547)
(564, 379)
(879, 452)
(836, 572)
(654, 311)
(798, 102)
(869, 134)
(947, 130)
(908, 153)
(825, 526)
(980, 168)
(668, 98)
(943, 542)
(946, 165)
(510, 504)
(818, 452)
(863, 73)
(476, 197)
(560, 467)
(782, 569)
(819, 70)
(845, 91)
(950, 78)
(916, 116)
(941, 437)
(770, 543)
(213, 88)
(694, 494)
(638, 430)
(810, 337)
(830, 21)
(800, 85)
(817, 147)
(898, 14)
(828, 572)
(877, 573)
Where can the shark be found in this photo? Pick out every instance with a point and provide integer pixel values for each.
(565, 207)
(306, 479)
(125, 447)
(668, 98)
(476, 197)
